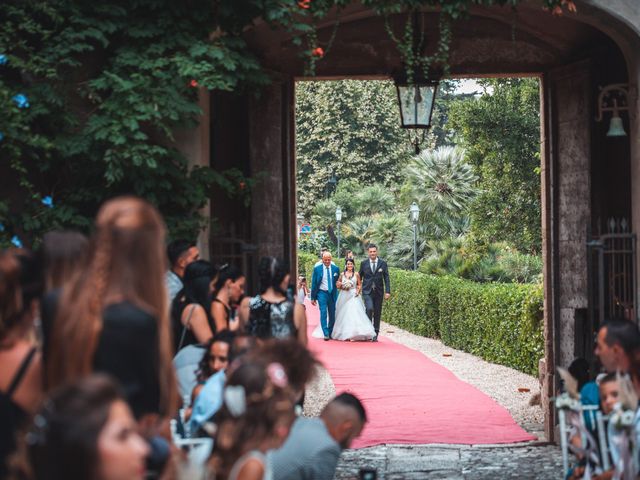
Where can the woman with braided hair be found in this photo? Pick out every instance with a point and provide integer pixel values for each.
(271, 314)
(113, 318)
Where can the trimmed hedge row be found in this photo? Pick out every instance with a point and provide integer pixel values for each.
(500, 322)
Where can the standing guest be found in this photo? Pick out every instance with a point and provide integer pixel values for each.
(302, 290)
(314, 445)
(609, 392)
(191, 309)
(84, 431)
(229, 290)
(180, 253)
(113, 318)
(349, 255)
(374, 275)
(20, 374)
(255, 417)
(616, 344)
(324, 290)
(63, 254)
(271, 314)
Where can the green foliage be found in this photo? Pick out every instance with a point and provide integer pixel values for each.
(498, 322)
(500, 131)
(306, 261)
(414, 304)
(501, 323)
(348, 127)
(496, 262)
(108, 84)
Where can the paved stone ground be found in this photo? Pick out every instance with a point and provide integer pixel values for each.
(482, 462)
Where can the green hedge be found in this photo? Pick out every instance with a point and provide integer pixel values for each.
(500, 322)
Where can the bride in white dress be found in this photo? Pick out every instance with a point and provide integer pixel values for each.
(352, 322)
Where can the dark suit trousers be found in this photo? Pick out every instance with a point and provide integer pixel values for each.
(373, 305)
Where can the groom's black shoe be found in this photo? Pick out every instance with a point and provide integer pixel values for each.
(326, 339)
(375, 338)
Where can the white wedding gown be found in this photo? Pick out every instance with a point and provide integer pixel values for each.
(352, 322)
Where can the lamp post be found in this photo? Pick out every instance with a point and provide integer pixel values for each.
(414, 210)
(331, 184)
(338, 220)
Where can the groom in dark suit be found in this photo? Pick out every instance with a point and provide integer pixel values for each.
(374, 274)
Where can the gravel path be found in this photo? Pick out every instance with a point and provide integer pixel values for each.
(319, 392)
(499, 382)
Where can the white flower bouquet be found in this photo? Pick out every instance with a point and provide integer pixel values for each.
(347, 285)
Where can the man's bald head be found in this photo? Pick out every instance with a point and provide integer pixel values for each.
(344, 418)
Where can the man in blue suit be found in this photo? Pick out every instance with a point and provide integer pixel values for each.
(325, 291)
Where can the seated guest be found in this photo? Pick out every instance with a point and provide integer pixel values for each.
(84, 431)
(616, 343)
(609, 392)
(191, 309)
(255, 417)
(20, 362)
(314, 445)
(113, 317)
(229, 288)
(181, 253)
(297, 360)
(209, 399)
(271, 314)
(216, 355)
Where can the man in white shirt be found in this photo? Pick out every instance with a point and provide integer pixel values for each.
(181, 253)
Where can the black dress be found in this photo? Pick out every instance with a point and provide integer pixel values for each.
(271, 320)
(128, 351)
(12, 416)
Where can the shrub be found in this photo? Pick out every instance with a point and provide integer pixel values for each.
(500, 322)
(414, 304)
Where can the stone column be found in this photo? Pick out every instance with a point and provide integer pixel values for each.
(195, 146)
(269, 152)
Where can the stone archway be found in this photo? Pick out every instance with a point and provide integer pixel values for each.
(572, 55)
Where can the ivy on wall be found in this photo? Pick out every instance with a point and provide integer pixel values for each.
(91, 94)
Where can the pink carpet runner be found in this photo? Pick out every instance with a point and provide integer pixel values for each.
(409, 398)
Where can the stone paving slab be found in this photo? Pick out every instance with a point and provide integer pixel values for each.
(396, 462)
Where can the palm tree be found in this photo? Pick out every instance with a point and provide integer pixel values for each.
(443, 184)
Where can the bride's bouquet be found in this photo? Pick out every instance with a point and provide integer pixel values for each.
(347, 284)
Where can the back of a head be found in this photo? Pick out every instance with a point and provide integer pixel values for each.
(127, 260)
(297, 360)
(347, 401)
(63, 253)
(197, 282)
(271, 273)
(62, 443)
(176, 249)
(10, 293)
(624, 333)
(579, 369)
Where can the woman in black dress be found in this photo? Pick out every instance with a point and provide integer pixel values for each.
(229, 290)
(20, 362)
(191, 310)
(113, 317)
(271, 314)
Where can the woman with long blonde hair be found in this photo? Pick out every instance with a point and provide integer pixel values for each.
(113, 318)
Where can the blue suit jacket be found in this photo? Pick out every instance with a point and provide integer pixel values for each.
(316, 280)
